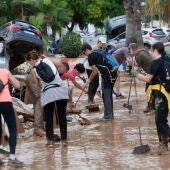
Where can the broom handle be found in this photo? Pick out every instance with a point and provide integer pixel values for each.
(80, 95)
(140, 135)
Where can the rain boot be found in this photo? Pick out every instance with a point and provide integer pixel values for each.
(163, 146)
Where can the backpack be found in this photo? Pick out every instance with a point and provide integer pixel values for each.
(45, 72)
(110, 59)
(2, 86)
(167, 75)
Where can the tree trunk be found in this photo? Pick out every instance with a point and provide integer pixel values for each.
(133, 22)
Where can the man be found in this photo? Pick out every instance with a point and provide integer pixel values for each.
(100, 43)
(98, 62)
(143, 60)
(73, 72)
(94, 84)
(122, 56)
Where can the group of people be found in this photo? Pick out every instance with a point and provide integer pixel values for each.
(150, 69)
(53, 96)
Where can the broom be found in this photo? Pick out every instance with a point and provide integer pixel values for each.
(142, 148)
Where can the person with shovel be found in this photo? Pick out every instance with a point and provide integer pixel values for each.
(143, 60)
(156, 78)
(98, 62)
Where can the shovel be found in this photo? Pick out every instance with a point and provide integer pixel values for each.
(142, 148)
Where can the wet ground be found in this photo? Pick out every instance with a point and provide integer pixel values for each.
(101, 145)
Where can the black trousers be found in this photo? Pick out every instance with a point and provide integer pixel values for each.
(161, 114)
(61, 112)
(92, 86)
(7, 111)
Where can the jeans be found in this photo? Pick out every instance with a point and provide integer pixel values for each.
(7, 111)
(92, 86)
(161, 113)
(107, 100)
(61, 115)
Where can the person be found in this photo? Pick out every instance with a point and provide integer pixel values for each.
(161, 98)
(143, 60)
(94, 84)
(73, 72)
(121, 55)
(7, 111)
(100, 43)
(32, 95)
(97, 61)
(56, 93)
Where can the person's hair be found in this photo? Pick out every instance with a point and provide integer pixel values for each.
(85, 47)
(80, 68)
(65, 64)
(160, 48)
(34, 55)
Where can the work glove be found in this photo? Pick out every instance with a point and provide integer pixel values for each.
(134, 73)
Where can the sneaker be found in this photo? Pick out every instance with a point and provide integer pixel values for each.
(69, 118)
(15, 161)
(56, 138)
(49, 143)
(104, 119)
(120, 96)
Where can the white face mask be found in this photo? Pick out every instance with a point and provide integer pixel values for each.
(1, 47)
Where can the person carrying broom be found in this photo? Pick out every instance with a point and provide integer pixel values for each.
(98, 62)
(159, 94)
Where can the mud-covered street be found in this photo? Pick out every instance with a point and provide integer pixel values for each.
(100, 146)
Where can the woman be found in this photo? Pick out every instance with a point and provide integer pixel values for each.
(53, 95)
(7, 111)
(156, 91)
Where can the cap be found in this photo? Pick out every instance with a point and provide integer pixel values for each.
(102, 39)
(133, 46)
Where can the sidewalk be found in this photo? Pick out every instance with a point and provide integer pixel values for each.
(101, 145)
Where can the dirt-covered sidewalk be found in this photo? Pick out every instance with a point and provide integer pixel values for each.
(101, 145)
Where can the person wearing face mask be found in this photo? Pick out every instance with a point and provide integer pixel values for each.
(161, 97)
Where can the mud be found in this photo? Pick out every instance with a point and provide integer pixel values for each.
(101, 145)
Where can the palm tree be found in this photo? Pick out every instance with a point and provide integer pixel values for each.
(167, 11)
(133, 22)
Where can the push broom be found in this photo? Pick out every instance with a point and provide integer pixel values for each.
(142, 148)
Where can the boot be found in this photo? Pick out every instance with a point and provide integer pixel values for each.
(39, 132)
(162, 148)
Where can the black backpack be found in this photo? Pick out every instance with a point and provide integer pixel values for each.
(167, 75)
(45, 72)
(2, 86)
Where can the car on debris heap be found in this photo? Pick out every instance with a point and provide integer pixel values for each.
(20, 37)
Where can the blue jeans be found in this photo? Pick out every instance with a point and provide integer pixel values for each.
(107, 99)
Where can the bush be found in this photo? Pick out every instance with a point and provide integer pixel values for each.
(70, 45)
